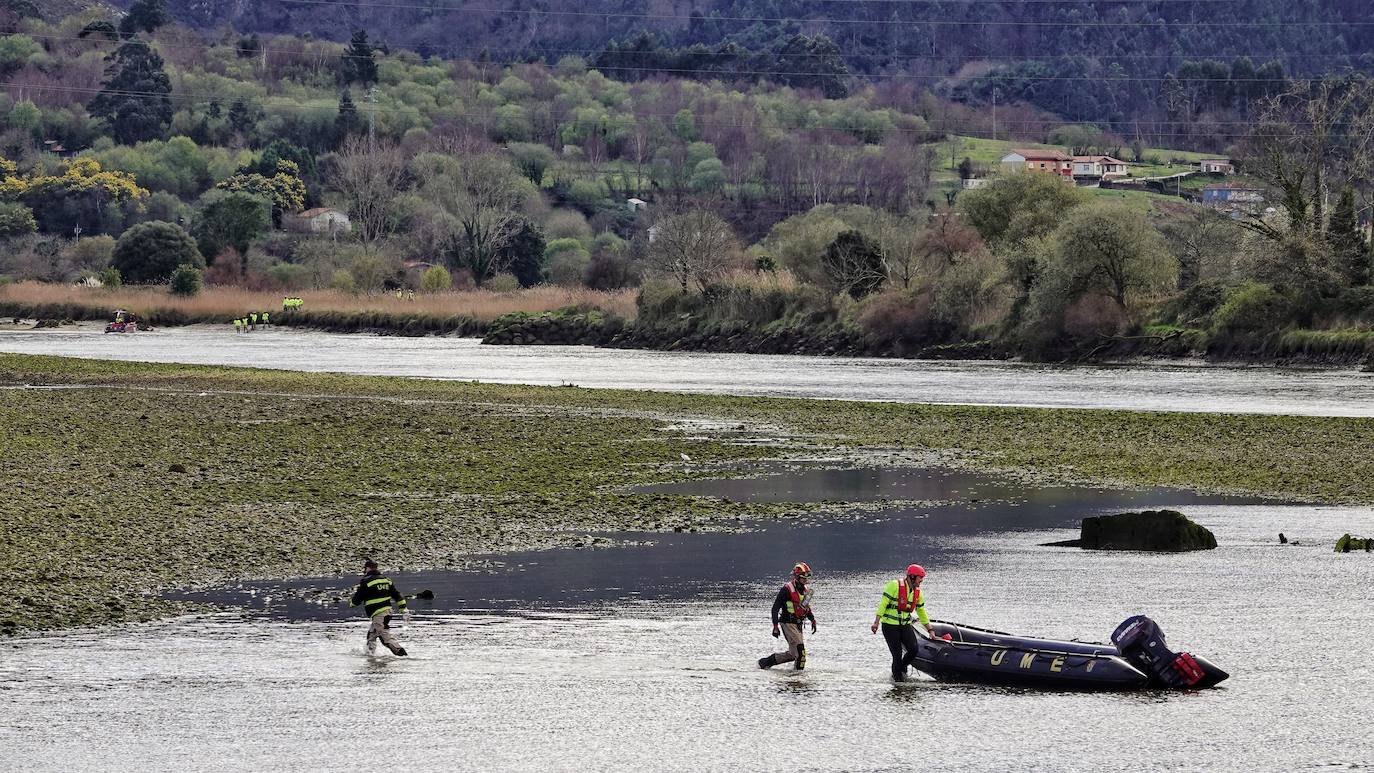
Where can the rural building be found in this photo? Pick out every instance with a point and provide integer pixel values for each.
(1233, 197)
(1099, 167)
(320, 220)
(636, 205)
(1217, 166)
(1039, 161)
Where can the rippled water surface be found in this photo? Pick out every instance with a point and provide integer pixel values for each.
(1174, 387)
(641, 657)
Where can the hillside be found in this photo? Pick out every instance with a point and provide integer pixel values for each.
(1051, 55)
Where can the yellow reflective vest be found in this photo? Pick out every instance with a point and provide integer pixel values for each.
(899, 601)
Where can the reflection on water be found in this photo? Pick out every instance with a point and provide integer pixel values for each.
(1175, 387)
(643, 657)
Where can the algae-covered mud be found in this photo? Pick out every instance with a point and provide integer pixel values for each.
(144, 477)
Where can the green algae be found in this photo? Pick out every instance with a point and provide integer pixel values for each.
(158, 476)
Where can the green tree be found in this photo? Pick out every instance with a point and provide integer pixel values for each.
(347, 122)
(524, 254)
(285, 189)
(144, 16)
(16, 219)
(150, 252)
(814, 62)
(135, 102)
(1021, 206)
(359, 66)
(231, 220)
(1112, 250)
(854, 265)
(532, 159)
(1350, 252)
(186, 280)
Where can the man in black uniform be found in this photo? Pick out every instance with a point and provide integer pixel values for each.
(376, 593)
(791, 608)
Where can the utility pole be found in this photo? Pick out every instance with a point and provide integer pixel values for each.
(994, 113)
(372, 117)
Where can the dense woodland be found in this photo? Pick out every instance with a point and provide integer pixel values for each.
(795, 200)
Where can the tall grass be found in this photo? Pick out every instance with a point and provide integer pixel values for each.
(428, 312)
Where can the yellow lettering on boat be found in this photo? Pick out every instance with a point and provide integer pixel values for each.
(1057, 665)
(1027, 659)
(997, 657)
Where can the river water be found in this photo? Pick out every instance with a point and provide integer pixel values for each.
(1164, 387)
(641, 657)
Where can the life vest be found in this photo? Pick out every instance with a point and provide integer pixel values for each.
(798, 604)
(899, 607)
(907, 602)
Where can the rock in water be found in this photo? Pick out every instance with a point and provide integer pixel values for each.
(1155, 530)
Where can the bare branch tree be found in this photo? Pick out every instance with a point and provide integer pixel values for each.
(370, 176)
(694, 246)
(479, 199)
(1314, 138)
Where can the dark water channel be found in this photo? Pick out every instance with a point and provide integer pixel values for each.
(640, 656)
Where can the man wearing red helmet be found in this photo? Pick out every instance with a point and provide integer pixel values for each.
(791, 608)
(901, 599)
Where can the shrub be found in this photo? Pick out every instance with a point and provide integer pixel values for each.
(186, 280)
(289, 276)
(109, 277)
(436, 279)
(896, 316)
(504, 282)
(343, 282)
(92, 253)
(1252, 308)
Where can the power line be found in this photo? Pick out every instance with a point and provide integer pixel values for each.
(800, 20)
(246, 51)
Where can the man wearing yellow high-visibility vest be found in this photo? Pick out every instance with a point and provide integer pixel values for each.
(901, 599)
(377, 594)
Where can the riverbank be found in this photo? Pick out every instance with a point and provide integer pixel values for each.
(168, 475)
(466, 312)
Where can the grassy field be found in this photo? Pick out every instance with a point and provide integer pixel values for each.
(989, 153)
(167, 475)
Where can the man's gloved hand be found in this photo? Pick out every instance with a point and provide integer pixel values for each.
(776, 632)
(813, 625)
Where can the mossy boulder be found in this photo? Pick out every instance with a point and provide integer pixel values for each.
(1348, 544)
(1164, 531)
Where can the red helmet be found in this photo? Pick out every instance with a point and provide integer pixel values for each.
(801, 568)
(915, 570)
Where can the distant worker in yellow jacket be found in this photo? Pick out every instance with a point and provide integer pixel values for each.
(902, 599)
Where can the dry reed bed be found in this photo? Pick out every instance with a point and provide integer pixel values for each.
(465, 311)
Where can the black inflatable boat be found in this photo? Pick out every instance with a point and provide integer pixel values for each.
(1137, 658)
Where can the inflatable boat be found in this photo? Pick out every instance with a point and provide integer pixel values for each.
(1137, 658)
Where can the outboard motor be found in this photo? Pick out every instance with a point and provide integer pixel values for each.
(1141, 642)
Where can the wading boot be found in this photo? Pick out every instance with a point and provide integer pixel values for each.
(801, 658)
(398, 650)
(768, 662)
(899, 676)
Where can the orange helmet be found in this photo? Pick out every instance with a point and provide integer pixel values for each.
(915, 570)
(802, 568)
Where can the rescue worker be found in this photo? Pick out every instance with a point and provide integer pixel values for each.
(791, 608)
(901, 599)
(252, 320)
(236, 325)
(264, 319)
(376, 593)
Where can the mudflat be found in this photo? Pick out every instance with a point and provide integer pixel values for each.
(124, 478)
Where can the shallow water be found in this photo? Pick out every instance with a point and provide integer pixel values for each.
(1171, 386)
(641, 657)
